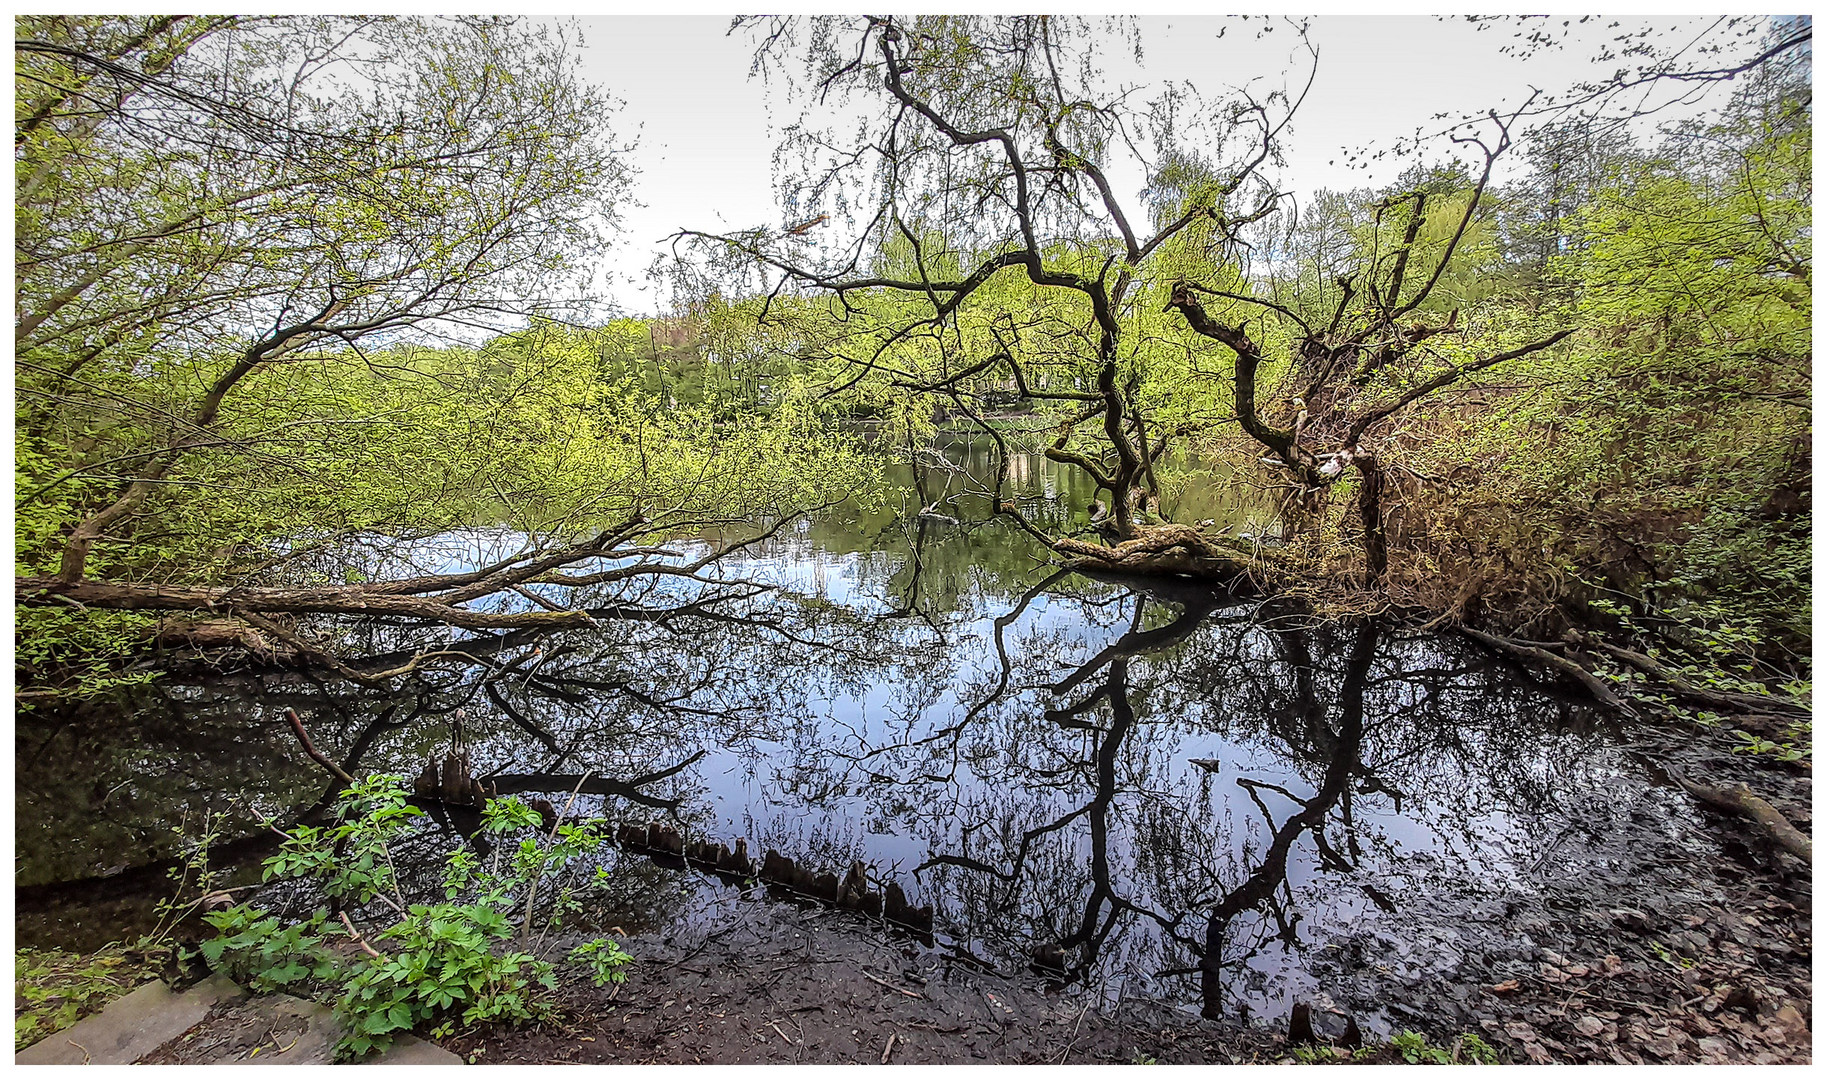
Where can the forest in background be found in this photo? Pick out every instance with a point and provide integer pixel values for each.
(261, 315)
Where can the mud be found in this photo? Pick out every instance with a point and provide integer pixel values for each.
(777, 984)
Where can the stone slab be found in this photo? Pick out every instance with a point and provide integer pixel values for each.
(131, 1026)
(275, 1029)
(315, 1045)
(409, 1050)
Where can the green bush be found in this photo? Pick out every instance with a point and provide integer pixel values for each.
(433, 966)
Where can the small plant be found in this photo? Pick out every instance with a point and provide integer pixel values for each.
(53, 989)
(431, 965)
(1477, 1051)
(1671, 958)
(603, 958)
(1756, 744)
(1468, 1048)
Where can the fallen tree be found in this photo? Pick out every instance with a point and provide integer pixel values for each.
(297, 294)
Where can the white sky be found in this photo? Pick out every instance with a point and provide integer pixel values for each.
(706, 131)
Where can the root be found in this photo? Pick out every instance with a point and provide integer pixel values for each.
(1593, 684)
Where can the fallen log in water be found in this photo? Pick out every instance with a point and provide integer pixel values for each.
(1595, 686)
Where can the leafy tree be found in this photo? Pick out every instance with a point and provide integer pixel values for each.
(239, 241)
(1685, 419)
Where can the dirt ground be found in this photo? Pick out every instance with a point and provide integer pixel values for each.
(1629, 952)
(826, 987)
(1706, 960)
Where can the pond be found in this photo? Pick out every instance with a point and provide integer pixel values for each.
(1156, 788)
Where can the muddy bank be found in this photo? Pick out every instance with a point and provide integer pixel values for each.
(776, 984)
(1705, 959)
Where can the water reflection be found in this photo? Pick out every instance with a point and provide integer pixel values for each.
(1143, 788)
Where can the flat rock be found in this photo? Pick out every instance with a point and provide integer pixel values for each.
(212, 1023)
(409, 1050)
(131, 1026)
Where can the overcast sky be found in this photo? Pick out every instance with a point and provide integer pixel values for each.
(706, 131)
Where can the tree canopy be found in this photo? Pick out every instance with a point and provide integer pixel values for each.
(256, 260)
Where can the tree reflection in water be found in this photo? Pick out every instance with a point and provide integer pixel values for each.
(1165, 790)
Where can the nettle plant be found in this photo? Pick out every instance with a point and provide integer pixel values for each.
(477, 955)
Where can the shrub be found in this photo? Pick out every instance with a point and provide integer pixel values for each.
(431, 966)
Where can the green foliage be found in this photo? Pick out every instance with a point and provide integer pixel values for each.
(1468, 1048)
(53, 989)
(604, 959)
(192, 187)
(1409, 1047)
(352, 858)
(1666, 455)
(1797, 744)
(435, 966)
(265, 955)
(443, 967)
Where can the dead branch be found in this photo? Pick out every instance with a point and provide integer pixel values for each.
(315, 755)
(1593, 684)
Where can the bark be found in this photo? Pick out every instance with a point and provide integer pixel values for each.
(323, 601)
(1738, 800)
(209, 634)
(1165, 549)
(1249, 358)
(433, 598)
(1370, 512)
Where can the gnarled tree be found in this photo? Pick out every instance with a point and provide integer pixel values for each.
(993, 250)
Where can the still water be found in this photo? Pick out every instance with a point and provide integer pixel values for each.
(1173, 791)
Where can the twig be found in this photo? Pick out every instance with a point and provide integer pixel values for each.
(781, 1033)
(889, 1049)
(298, 729)
(277, 1048)
(1074, 1038)
(526, 929)
(359, 939)
(889, 985)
